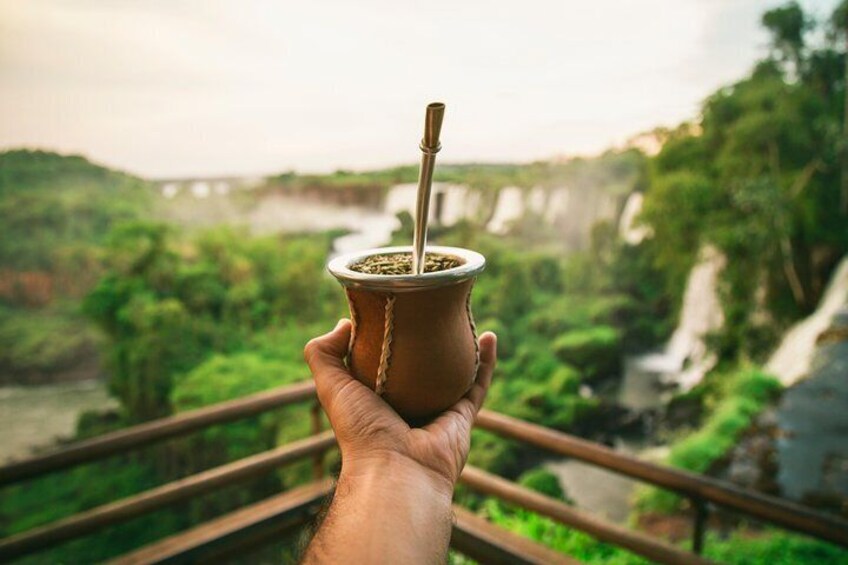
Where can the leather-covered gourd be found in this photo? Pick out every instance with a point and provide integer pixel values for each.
(416, 344)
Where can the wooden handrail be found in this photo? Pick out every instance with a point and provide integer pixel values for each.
(280, 512)
(122, 510)
(698, 487)
(636, 542)
(143, 434)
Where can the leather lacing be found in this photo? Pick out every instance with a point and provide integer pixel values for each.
(386, 351)
(473, 332)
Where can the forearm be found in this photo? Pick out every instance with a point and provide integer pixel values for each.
(386, 511)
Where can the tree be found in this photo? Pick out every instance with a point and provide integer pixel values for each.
(839, 30)
(787, 25)
(757, 179)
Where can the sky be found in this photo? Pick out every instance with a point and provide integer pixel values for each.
(178, 88)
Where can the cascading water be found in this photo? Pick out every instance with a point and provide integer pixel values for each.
(573, 211)
(701, 314)
(791, 360)
(509, 208)
(628, 230)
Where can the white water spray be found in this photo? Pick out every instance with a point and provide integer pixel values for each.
(701, 314)
(628, 229)
(791, 360)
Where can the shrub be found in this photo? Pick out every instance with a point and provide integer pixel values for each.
(542, 481)
(594, 350)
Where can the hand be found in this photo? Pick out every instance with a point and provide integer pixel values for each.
(370, 432)
(392, 502)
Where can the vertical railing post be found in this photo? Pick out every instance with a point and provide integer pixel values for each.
(700, 525)
(317, 428)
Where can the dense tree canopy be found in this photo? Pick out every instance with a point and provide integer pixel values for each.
(758, 176)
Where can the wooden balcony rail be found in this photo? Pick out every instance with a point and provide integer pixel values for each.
(92, 520)
(699, 488)
(252, 524)
(470, 533)
(143, 434)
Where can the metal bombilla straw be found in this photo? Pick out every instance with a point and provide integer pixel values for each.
(430, 145)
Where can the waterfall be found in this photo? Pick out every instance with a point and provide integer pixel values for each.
(573, 211)
(509, 208)
(536, 200)
(557, 205)
(628, 230)
(701, 314)
(791, 360)
(458, 201)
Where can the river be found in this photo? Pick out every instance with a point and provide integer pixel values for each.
(35, 417)
(603, 492)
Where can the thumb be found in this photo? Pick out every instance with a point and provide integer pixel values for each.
(325, 357)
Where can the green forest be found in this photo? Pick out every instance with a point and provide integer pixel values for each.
(187, 318)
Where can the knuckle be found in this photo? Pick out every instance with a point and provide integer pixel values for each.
(311, 349)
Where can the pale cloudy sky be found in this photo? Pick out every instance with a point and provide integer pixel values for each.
(179, 87)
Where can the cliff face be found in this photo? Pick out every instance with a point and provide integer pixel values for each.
(812, 417)
(797, 449)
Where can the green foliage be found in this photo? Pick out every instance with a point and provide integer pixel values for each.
(35, 342)
(56, 212)
(274, 358)
(735, 400)
(787, 25)
(756, 179)
(542, 481)
(596, 351)
(742, 547)
(168, 304)
(55, 208)
(561, 538)
(774, 547)
(59, 495)
(743, 395)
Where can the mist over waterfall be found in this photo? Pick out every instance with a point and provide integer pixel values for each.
(685, 359)
(571, 211)
(791, 360)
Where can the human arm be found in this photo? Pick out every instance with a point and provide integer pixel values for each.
(393, 497)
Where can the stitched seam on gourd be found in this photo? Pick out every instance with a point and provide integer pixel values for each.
(473, 332)
(386, 351)
(350, 301)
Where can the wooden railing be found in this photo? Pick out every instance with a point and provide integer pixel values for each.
(699, 489)
(261, 522)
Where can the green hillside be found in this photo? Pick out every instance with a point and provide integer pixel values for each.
(57, 212)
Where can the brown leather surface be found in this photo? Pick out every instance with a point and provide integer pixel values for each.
(433, 354)
(368, 309)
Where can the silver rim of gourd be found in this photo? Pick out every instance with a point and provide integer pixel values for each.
(472, 264)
